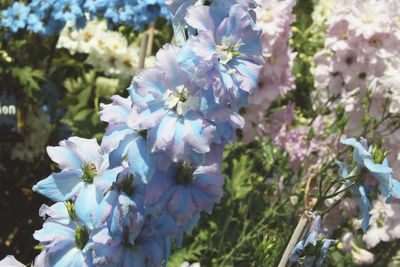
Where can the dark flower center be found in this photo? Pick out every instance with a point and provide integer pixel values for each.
(127, 185)
(184, 174)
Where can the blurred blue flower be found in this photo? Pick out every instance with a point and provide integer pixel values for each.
(15, 17)
(359, 192)
(314, 238)
(377, 165)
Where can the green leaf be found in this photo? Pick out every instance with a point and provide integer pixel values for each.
(28, 77)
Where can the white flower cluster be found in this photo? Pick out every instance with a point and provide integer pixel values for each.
(107, 50)
(322, 11)
(274, 17)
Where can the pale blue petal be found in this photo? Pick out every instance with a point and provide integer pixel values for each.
(86, 204)
(60, 186)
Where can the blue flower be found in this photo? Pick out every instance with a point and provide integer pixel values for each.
(84, 175)
(227, 51)
(35, 24)
(69, 10)
(377, 165)
(178, 9)
(146, 251)
(123, 142)
(167, 106)
(122, 207)
(15, 17)
(41, 20)
(359, 192)
(65, 237)
(185, 191)
(316, 239)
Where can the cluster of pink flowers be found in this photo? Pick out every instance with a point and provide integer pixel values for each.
(362, 57)
(361, 53)
(303, 142)
(274, 17)
(359, 41)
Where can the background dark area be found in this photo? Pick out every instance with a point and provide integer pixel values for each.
(19, 205)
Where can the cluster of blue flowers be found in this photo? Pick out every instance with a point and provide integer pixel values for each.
(313, 245)
(47, 17)
(126, 201)
(370, 161)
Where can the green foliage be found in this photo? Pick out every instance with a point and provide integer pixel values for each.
(28, 78)
(82, 101)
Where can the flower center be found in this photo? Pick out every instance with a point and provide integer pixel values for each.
(267, 16)
(87, 36)
(184, 174)
(89, 172)
(81, 236)
(127, 185)
(367, 17)
(379, 154)
(397, 22)
(375, 42)
(226, 54)
(179, 100)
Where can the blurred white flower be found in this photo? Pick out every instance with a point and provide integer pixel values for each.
(187, 264)
(10, 261)
(107, 50)
(384, 223)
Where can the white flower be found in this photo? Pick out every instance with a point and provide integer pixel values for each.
(187, 264)
(88, 36)
(68, 39)
(384, 224)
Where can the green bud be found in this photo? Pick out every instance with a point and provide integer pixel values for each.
(81, 236)
(379, 154)
(71, 210)
(89, 172)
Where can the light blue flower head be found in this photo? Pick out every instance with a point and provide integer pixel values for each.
(167, 105)
(375, 162)
(226, 53)
(66, 238)
(360, 194)
(84, 174)
(15, 17)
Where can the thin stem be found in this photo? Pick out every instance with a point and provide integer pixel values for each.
(340, 191)
(334, 205)
(143, 50)
(150, 42)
